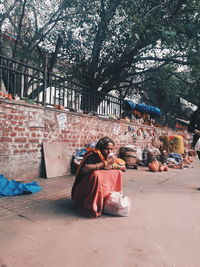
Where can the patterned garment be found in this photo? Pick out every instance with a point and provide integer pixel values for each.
(90, 190)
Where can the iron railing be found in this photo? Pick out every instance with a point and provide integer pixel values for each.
(37, 85)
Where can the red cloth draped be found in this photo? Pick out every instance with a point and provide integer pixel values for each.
(92, 190)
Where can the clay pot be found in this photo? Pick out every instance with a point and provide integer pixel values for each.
(161, 168)
(165, 169)
(153, 166)
(59, 107)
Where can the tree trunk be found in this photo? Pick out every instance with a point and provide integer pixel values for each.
(91, 100)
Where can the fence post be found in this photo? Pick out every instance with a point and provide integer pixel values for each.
(45, 79)
(121, 104)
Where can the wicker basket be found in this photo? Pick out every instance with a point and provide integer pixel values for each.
(130, 158)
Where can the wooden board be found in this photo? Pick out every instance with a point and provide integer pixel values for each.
(56, 159)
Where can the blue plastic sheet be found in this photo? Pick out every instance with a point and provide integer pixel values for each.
(80, 152)
(12, 187)
(142, 108)
(130, 103)
(148, 109)
(176, 156)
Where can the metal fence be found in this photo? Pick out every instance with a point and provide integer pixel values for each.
(36, 85)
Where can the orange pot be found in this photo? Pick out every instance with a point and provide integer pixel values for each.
(153, 166)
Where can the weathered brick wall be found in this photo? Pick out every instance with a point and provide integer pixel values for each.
(24, 127)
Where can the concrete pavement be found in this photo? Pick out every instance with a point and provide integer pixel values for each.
(163, 228)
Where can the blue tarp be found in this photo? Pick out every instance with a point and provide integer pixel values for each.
(12, 187)
(176, 156)
(143, 108)
(148, 109)
(130, 104)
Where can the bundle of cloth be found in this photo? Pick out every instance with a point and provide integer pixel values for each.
(172, 144)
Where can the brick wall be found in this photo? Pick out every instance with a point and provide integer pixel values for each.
(24, 127)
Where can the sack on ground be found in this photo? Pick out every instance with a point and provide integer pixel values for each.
(197, 146)
(117, 204)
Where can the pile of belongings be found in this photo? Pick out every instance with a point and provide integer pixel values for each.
(179, 161)
(140, 109)
(160, 160)
(147, 154)
(155, 165)
(131, 155)
(78, 156)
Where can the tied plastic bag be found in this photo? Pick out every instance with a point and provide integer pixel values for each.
(117, 204)
(197, 146)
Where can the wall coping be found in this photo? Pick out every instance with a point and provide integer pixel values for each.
(39, 106)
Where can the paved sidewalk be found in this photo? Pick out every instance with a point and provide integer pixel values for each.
(58, 189)
(52, 190)
(45, 230)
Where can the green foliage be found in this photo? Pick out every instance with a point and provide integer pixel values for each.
(118, 45)
(164, 89)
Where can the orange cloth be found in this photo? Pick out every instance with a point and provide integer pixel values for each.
(119, 161)
(87, 154)
(92, 190)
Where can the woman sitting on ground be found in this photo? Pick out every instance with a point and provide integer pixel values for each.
(96, 177)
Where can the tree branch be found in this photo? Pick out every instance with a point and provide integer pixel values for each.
(106, 16)
(19, 28)
(167, 60)
(5, 15)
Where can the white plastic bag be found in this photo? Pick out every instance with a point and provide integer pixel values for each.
(197, 146)
(117, 204)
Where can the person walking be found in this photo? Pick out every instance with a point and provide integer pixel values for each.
(194, 127)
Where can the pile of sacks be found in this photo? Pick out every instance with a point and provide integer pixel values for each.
(131, 155)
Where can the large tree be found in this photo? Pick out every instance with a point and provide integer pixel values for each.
(112, 44)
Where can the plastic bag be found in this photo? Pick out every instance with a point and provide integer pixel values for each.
(117, 204)
(197, 146)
